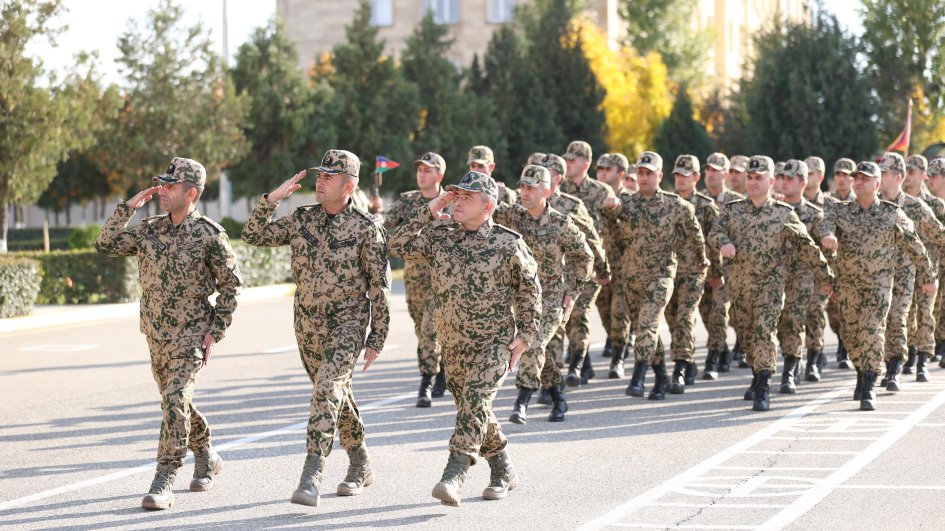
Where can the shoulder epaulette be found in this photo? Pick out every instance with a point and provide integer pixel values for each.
(216, 226)
(508, 230)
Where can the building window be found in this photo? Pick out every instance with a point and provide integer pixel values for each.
(444, 11)
(501, 11)
(382, 12)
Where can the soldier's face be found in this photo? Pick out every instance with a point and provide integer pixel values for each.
(792, 187)
(648, 180)
(610, 175)
(937, 184)
(890, 182)
(736, 179)
(814, 179)
(482, 168)
(714, 179)
(428, 177)
(630, 182)
(174, 197)
(471, 207)
(577, 167)
(865, 186)
(685, 184)
(758, 185)
(332, 188)
(778, 181)
(556, 179)
(844, 182)
(533, 196)
(914, 178)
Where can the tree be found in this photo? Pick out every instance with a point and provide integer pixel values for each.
(43, 118)
(78, 180)
(681, 134)
(178, 101)
(666, 27)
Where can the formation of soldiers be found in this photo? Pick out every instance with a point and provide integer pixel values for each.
(496, 279)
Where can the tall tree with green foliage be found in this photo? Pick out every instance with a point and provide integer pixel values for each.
(43, 117)
(681, 134)
(79, 179)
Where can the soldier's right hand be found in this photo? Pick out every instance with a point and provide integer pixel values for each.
(438, 204)
(829, 242)
(728, 251)
(287, 188)
(142, 197)
(929, 289)
(611, 202)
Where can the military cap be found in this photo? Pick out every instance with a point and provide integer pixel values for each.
(717, 161)
(434, 160)
(182, 170)
(815, 164)
(779, 167)
(892, 161)
(937, 167)
(868, 167)
(795, 168)
(686, 165)
(578, 148)
(650, 160)
(844, 165)
(534, 175)
(739, 163)
(480, 155)
(554, 163)
(761, 164)
(620, 160)
(535, 158)
(632, 170)
(917, 162)
(474, 181)
(340, 161)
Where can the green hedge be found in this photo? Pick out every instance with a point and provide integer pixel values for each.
(19, 284)
(83, 237)
(262, 266)
(84, 276)
(32, 239)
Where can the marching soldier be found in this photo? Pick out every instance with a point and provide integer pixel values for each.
(482, 160)
(611, 170)
(936, 183)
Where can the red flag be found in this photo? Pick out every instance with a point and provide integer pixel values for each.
(902, 141)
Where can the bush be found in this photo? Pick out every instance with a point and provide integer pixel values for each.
(85, 276)
(234, 229)
(32, 239)
(261, 266)
(84, 237)
(19, 284)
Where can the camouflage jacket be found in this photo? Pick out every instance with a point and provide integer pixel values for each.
(416, 272)
(765, 239)
(820, 199)
(813, 218)
(850, 197)
(478, 278)
(180, 266)
(560, 249)
(507, 195)
(592, 192)
(707, 212)
(339, 263)
(574, 208)
(927, 226)
(651, 229)
(727, 196)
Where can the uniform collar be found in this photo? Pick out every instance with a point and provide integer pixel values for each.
(483, 231)
(324, 218)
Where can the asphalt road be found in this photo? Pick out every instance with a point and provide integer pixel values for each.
(80, 413)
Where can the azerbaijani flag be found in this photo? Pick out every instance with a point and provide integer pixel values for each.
(382, 164)
(902, 141)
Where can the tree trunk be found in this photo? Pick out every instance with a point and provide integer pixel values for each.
(3, 226)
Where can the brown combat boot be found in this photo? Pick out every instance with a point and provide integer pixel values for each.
(503, 477)
(360, 474)
(450, 488)
(161, 494)
(207, 463)
(307, 492)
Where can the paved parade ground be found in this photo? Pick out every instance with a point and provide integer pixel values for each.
(80, 413)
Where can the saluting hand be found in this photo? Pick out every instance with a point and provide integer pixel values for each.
(142, 197)
(287, 188)
(441, 202)
(516, 347)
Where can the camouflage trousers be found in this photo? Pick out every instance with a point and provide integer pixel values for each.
(578, 327)
(939, 312)
(535, 369)
(817, 320)
(922, 321)
(756, 309)
(681, 315)
(864, 314)
(613, 310)
(897, 322)
(330, 345)
(420, 307)
(713, 308)
(647, 298)
(474, 375)
(175, 365)
(798, 292)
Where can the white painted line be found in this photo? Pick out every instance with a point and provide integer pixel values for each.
(823, 438)
(799, 452)
(893, 487)
(150, 466)
(685, 526)
(784, 468)
(693, 474)
(721, 505)
(824, 487)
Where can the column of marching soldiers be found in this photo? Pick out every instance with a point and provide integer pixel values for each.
(499, 279)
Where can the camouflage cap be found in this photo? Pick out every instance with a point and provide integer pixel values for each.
(717, 161)
(650, 160)
(632, 171)
(534, 175)
(474, 181)
(182, 170)
(739, 163)
(578, 148)
(844, 165)
(340, 161)
(434, 160)
(608, 160)
(480, 155)
(917, 162)
(554, 163)
(937, 167)
(761, 164)
(536, 158)
(779, 167)
(815, 164)
(892, 161)
(795, 168)
(868, 167)
(686, 165)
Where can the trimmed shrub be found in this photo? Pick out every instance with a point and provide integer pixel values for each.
(261, 266)
(84, 276)
(84, 237)
(19, 284)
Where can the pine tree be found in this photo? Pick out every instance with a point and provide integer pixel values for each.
(681, 134)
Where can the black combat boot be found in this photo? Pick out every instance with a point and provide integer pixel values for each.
(520, 409)
(885, 380)
(787, 376)
(821, 361)
(439, 383)
(868, 393)
(677, 385)
(843, 357)
(892, 378)
(573, 379)
(544, 397)
(559, 405)
(711, 365)
(425, 395)
(762, 388)
(692, 370)
(587, 370)
(661, 383)
(725, 359)
(939, 351)
(739, 355)
(922, 367)
(750, 393)
(813, 371)
(910, 362)
(858, 390)
(616, 362)
(608, 349)
(636, 387)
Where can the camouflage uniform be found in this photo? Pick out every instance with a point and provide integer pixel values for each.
(817, 321)
(937, 168)
(339, 263)
(612, 310)
(715, 302)
(484, 155)
(478, 278)
(181, 266)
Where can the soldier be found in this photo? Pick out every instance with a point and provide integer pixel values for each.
(630, 184)
(815, 176)
(482, 160)
(714, 304)
(691, 278)
(339, 262)
(430, 169)
(869, 234)
(736, 182)
(936, 183)
(758, 234)
(564, 265)
(649, 264)
(843, 171)
(481, 272)
(536, 158)
(932, 235)
(183, 258)
(611, 170)
(592, 192)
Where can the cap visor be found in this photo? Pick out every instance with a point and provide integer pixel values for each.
(477, 161)
(739, 168)
(424, 162)
(651, 167)
(531, 184)
(716, 166)
(169, 179)
(683, 172)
